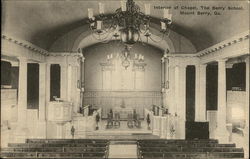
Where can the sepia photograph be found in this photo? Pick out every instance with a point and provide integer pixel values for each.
(125, 79)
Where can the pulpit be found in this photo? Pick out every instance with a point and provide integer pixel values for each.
(59, 114)
(60, 111)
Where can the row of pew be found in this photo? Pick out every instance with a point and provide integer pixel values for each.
(187, 149)
(99, 148)
(57, 148)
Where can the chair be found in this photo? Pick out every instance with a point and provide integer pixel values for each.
(137, 121)
(117, 120)
(130, 121)
(110, 121)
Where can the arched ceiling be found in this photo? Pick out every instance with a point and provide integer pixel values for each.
(42, 22)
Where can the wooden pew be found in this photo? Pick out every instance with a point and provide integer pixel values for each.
(37, 145)
(66, 141)
(185, 149)
(184, 155)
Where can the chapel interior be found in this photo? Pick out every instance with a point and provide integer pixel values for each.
(175, 86)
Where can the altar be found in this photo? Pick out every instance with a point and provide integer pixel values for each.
(123, 112)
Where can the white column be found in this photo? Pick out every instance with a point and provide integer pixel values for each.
(202, 92)
(22, 90)
(181, 107)
(69, 83)
(47, 84)
(166, 73)
(78, 84)
(172, 88)
(162, 74)
(221, 131)
(166, 84)
(246, 129)
(82, 80)
(64, 79)
(75, 92)
(42, 91)
(82, 74)
(176, 89)
(197, 92)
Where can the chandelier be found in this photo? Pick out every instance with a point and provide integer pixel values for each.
(128, 23)
(126, 58)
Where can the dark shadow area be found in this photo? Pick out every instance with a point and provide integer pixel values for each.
(33, 86)
(5, 73)
(199, 37)
(190, 93)
(14, 77)
(55, 81)
(46, 37)
(236, 77)
(211, 87)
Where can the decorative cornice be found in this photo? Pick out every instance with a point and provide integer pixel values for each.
(180, 55)
(73, 54)
(25, 44)
(236, 39)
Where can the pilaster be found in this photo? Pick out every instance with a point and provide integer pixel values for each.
(172, 89)
(246, 128)
(200, 93)
(221, 131)
(181, 107)
(48, 84)
(64, 79)
(203, 69)
(162, 74)
(42, 91)
(22, 90)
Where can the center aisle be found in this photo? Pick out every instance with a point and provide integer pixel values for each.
(123, 149)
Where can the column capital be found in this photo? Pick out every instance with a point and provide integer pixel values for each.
(162, 60)
(42, 63)
(247, 59)
(61, 64)
(203, 64)
(83, 58)
(221, 60)
(166, 51)
(22, 59)
(181, 65)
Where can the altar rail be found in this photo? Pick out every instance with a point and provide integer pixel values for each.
(137, 100)
(166, 126)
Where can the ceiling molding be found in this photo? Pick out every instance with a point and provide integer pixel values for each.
(72, 54)
(181, 55)
(25, 44)
(236, 39)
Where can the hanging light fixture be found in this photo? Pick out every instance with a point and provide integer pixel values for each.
(126, 58)
(128, 23)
